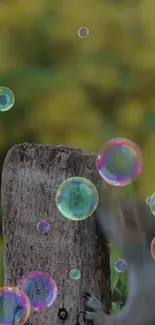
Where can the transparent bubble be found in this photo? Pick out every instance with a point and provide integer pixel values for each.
(15, 307)
(7, 99)
(119, 162)
(152, 248)
(75, 274)
(83, 32)
(77, 198)
(40, 288)
(120, 265)
(149, 201)
(43, 226)
(152, 203)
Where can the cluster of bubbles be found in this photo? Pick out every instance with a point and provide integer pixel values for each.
(7, 98)
(150, 201)
(35, 291)
(119, 163)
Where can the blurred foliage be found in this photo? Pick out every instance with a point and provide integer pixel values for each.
(80, 92)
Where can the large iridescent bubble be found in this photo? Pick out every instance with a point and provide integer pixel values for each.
(15, 307)
(119, 162)
(40, 288)
(77, 198)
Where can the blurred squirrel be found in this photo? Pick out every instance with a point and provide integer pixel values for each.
(130, 226)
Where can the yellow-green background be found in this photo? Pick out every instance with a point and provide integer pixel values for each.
(79, 92)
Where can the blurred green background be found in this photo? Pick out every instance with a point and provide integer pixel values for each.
(79, 92)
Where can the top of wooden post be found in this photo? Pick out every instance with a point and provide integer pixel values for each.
(30, 178)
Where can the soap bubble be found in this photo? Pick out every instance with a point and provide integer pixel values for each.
(149, 201)
(152, 248)
(77, 198)
(75, 274)
(15, 307)
(120, 265)
(7, 99)
(119, 162)
(83, 32)
(152, 203)
(43, 226)
(40, 288)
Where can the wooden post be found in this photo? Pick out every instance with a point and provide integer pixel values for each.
(30, 178)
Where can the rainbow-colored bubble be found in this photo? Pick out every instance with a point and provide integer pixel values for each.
(119, 162)
(152, 248)
(148, 200)
(83, 32)
(7, 99)
(151, 203)
(40, 288)
(43, 226)
(15, 307)
(120, 265)
(77, 198)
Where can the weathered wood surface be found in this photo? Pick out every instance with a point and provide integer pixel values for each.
(30, 177)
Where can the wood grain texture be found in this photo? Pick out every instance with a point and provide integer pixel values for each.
(30, 178)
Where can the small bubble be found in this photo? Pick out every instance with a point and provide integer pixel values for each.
(43, 226)
(75, 274)
(83, 32)
(120, 265)
(7, 99)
